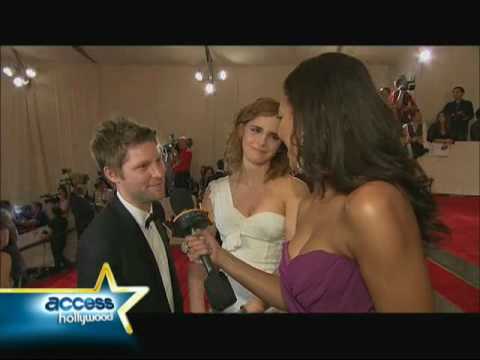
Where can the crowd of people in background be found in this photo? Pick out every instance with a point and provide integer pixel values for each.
(52, 217)
(452, 123)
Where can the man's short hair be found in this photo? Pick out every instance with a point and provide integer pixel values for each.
(459, 88)
(112, 138)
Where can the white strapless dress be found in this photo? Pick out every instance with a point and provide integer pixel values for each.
(256, 239)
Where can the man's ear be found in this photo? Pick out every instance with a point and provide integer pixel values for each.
(113, 175)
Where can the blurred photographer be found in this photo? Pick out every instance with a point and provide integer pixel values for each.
(83, 211)
(404, 104)
(409, 115)
(58, 237)
(66, 179)
(459, 112)
(183, 162)
(170, 153)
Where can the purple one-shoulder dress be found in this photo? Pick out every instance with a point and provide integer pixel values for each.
(322, 282)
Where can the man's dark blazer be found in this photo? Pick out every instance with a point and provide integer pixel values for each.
(82, 211)
(115, 237)
(459, 124)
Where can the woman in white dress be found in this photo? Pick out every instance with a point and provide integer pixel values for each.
(255, 208)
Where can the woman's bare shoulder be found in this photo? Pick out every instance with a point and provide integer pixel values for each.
(379, 211)
(291, 186)
(374, 197)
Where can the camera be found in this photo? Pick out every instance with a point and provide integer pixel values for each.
(403, 84)
(170, 148)
(409, 86)
(172, 143)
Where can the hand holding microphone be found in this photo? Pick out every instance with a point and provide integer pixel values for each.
(202, 243)
(191, 223)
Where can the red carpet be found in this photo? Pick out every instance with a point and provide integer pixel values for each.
(462, 215)
(454, 289)
(61, 280)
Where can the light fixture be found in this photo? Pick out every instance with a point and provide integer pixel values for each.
(21, 74)
(31, 73)
(199, 76)
(209, 88)
(222, 75)
(18, 81)
(425, 56)
(207, 76)
(7, 70)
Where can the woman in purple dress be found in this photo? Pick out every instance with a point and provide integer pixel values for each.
(358, 245)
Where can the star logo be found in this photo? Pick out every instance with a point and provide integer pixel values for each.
(32, 310)
(138, 293)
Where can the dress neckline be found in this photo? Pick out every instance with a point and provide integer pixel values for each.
(289, 259)
(230, 196)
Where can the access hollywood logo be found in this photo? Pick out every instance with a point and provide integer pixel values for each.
(81, 309)
(69, 311)
(105, 303)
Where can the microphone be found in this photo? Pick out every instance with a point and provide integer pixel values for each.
(188, 221)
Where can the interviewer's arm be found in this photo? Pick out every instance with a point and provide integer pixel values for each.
(264, 285)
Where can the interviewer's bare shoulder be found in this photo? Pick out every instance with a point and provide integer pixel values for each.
(385, 240)
(374, 197)
(377, 211)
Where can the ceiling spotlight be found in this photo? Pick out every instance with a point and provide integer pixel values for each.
(209, 88)
(7, 70)
(222, 74)
(31, 73)
(425, 56)
(199, 76)
(19, 81)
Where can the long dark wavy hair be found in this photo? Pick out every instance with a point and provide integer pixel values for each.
(345, 135)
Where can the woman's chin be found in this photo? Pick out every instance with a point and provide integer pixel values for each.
(259, 160)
